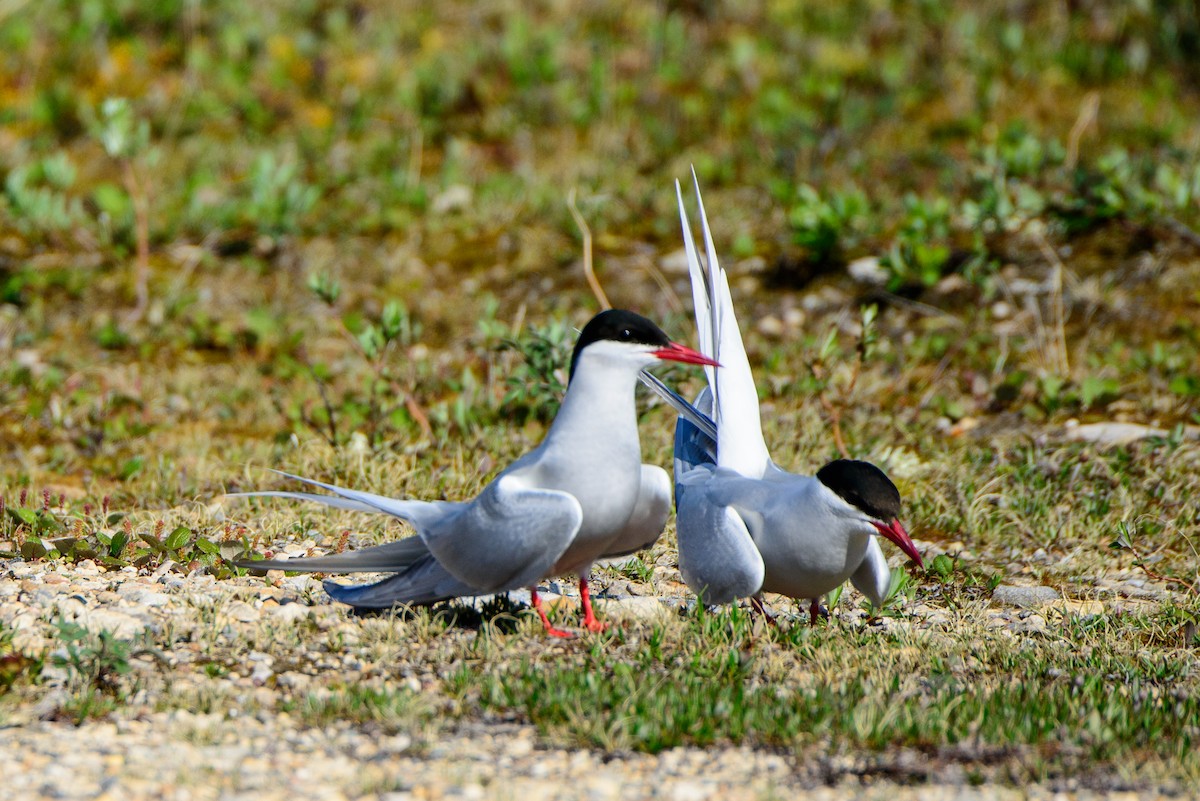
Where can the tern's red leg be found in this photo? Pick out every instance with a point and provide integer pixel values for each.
(537, 607)
(816, 611)
(759, 608)
(585, 599)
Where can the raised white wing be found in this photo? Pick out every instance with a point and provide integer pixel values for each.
(705, 324)
(740, 444)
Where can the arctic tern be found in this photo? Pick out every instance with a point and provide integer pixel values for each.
(582, 495)
(746, 526)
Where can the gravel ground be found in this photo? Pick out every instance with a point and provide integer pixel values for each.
(157, 747)
(185, 756)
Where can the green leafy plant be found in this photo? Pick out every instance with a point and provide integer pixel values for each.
(536, 386)
(14, 666)
(827, 225)
(110, 538)
(1126, 540)
(902, 588)
(278, 197)
(634, 569)
(95, 664)
(834, 392)
(383, 403)
(126, 139)
(391, 710)
(325, 287)
(919, 254)
(37, 195)
(957, 581)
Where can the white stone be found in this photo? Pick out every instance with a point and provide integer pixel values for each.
(868, 270)
(455, 197)
(1113, 433)
(289, 613)
(242, 611)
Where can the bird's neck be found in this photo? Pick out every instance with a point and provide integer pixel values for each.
(599, 411)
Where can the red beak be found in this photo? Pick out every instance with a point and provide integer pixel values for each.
(682, 353)
(895, 532)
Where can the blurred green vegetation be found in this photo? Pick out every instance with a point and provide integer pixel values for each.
(340, 216)
(313, 117)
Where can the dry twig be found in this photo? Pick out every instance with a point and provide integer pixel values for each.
(588, 270)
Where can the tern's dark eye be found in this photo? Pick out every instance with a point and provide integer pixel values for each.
(626, 335)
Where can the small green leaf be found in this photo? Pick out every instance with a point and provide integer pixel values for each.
(156, 545)
(48, 523)
(177, 538)
(828, 346)
(233, 550)
(70, 632)
(34, 548)
(24, 515)
(111, 337)
(65, 545)
(207, 546)
(1098, 391)
(1185, 385)
(371, 340)
(324, 287)
(942, 565)
(130, 468)
(393, 320)
(261, 324)
(1051, 386)
(831, 600)
(113, 201)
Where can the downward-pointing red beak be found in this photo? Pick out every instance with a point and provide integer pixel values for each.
(895, 532)
(682, 353)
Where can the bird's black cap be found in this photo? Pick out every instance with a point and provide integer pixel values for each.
(619, 326)
(863, 486)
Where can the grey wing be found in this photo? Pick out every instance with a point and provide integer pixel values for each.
(873, 577)
(508, 537)
(424, 582)
(649, 515)
(701, 419)
(694, 446)
(419, 513)
(327, 500)
(717, 556)
(390, 557)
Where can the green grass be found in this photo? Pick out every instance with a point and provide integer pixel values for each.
(1039, 708)
(389, 710)
(337, 241)
(662, 688)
